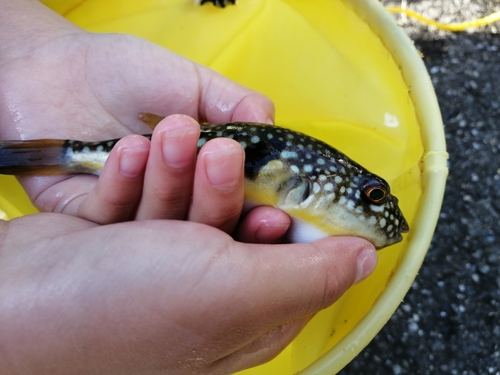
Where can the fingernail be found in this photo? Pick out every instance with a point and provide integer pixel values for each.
(132, 161)
(367, 260)
(224, 167)
(272, 233)
(176, 152)
(271, 229)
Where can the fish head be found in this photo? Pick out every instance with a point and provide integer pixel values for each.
(324, 191)
(355, 203)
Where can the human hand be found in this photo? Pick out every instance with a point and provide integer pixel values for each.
(173, 184)
(158, 297)
(92, 87)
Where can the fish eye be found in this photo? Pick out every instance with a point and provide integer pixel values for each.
(376, 194)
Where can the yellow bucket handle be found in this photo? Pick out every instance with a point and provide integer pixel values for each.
(484, 21)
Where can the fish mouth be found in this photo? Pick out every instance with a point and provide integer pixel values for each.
(404, 227)
(390, 241)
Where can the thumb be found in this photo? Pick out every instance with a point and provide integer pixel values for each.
(288, 284)
(187, 87)
(301, 279)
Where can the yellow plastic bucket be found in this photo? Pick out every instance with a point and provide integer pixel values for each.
(340, 70)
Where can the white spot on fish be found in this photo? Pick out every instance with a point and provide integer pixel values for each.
(320, 161)
(308, 168)
(338, 179)
(390, 121)
(372, 220)
(100, 148)
(269, 136)
(316, 188)
(243, 144)
(322, 177)
(382, 223)
(289, 154)
(375, 208)
(330, 196)
(350, 205)
(294, 169)
(255, 139)
(201, 142)
(328, 186)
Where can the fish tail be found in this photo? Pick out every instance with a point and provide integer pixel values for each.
(35, 157)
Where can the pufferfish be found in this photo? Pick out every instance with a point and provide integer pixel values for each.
(323, 191)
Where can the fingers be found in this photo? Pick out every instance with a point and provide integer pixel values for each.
(223, 100)
(263, 224)
(218, 185)
(168, 181)
(175, 185)
(118, 190)
(189, 88)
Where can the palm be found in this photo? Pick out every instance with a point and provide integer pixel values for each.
(94, 86)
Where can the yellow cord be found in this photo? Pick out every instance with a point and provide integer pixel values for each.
(494, 17)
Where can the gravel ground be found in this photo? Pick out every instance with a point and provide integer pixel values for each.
(449, 322)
